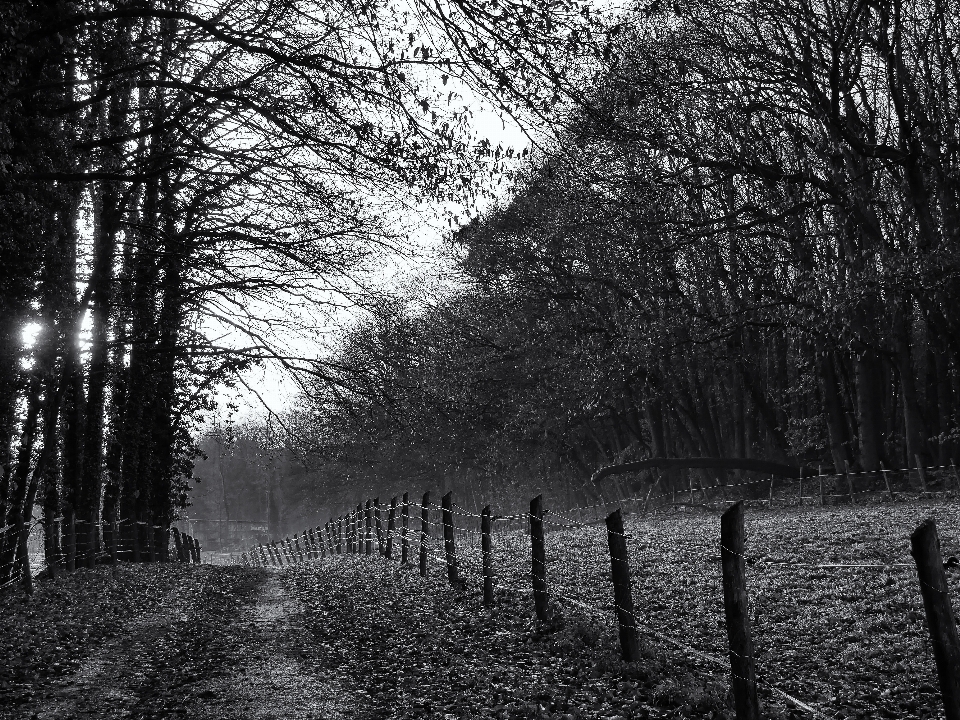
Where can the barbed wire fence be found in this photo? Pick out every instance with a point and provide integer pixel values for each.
(455, 538)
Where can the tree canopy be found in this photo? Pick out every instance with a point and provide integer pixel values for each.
(740, 243)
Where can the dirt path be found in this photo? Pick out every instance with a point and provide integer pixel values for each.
(223, 643)
(278, 676)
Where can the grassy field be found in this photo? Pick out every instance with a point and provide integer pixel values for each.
(851, 641)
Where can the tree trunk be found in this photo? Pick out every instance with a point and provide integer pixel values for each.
(869, 417)
(833, 411)
(912, 418)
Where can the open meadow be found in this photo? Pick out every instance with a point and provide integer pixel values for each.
(837, 615)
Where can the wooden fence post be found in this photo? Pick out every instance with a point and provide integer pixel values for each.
(770, 499)
(299, 551)
(164, 543)
(358, 523)
(93, 528)
(404, 528)
(622, 594)
(721, 486)
(619, 491)
(196, 551)
(360, 528)
(820, 477)
(135, 540)
(925, 548)
(539, 567)
(956, 476)
(349, 531)
(23, 558)
(318, 547)
(157, 543)
(114, 531)
(449, 543)
(391, 526)
(646, 498)
(846, 465)
(923, 475)
(486, 548)
(368, 529)
(424, 532)
(379, 519)
(738, 619)
(178, 543)
(353, 531)
(886, 481)
(800, 494)
(339, 535)
(71, 540)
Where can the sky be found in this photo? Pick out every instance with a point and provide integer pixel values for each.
(270, 389)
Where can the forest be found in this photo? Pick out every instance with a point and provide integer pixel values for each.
(741, 243)
(734, 235)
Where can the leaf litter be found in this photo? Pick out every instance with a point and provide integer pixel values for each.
(361, 637)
